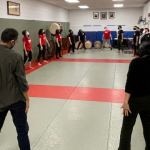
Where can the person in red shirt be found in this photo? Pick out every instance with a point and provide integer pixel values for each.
(106, 38)
(58, 44)
(42, 42)
(27, 47)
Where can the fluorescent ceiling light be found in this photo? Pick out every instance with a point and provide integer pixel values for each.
(72, 1)
(83, 7)
(118, 5)
(117, 0)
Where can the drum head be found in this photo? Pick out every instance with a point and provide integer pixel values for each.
(97, 45)
(53, 27)
(76, 45)
(88, 44)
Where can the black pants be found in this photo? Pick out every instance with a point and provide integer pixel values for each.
(71, 46)
(58, 50)
(20, 121)
(26, 57)
(41, 52)
(120, 44)
(139, 106)
(83, 42)
(135, 48)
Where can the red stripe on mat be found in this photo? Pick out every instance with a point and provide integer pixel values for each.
(77, 93)
(94, 60)
(35, 63)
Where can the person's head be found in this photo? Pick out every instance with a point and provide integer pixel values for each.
(57, 32)
(119, 27)
(141, 30)
(80, 31)
(25, 33)
(135, 28)
(146, 30)
(144, 49)
(105, 28)
(41, 31)
(9, 37)
(70, 31)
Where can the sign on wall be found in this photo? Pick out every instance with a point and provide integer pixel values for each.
(13, 8)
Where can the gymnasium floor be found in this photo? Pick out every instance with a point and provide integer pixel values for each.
(75, 104)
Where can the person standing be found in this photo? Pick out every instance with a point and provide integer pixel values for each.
(136, 39)
(106, 37)
(13, 87)
(58, 44)
(27, 48)
(42, 48)
(82, 39)
(137, 98)
(120, 39)
(72, 42)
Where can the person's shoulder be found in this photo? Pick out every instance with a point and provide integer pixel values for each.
(137, 60)
(40, 36)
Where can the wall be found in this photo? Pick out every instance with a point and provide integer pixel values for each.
(128, 17)
(36, 10)
(34, 16)
(145, 11)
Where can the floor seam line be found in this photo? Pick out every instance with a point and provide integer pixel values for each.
(50, 124)
(79, 81)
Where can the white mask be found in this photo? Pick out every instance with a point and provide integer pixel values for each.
(27, 33)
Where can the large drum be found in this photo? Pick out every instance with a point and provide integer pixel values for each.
(97, 45)
(55, 26)
(88, 44)
(76, 45)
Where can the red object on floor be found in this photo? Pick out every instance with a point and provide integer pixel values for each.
(45, 91)
(77, 93)
(94, 60)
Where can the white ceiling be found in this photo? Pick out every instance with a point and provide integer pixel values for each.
(97, 4)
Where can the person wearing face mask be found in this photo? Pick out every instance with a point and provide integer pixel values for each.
(58, 44)
(42, 48)
(72, 42)
(13, 87)
(27, 47)
(106, 37)
(136, 39)
(146, 35)
(120, 39)
(82, 39)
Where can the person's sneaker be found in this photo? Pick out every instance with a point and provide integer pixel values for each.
(39, 64)
(45, 61)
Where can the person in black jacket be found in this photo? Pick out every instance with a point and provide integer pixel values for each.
(136, 39)
(72, 41)
(137, 98)
(82, 39)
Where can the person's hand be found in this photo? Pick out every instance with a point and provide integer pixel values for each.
(41, 48)
(111, 38)
(136, 43)
(70, 43)
(126, 109)
(58, 45)
(122, 41)
(27, 106)
(26, 53)
(48, 45)
(132, 43)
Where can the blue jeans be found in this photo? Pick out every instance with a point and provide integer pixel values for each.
(20, 121)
